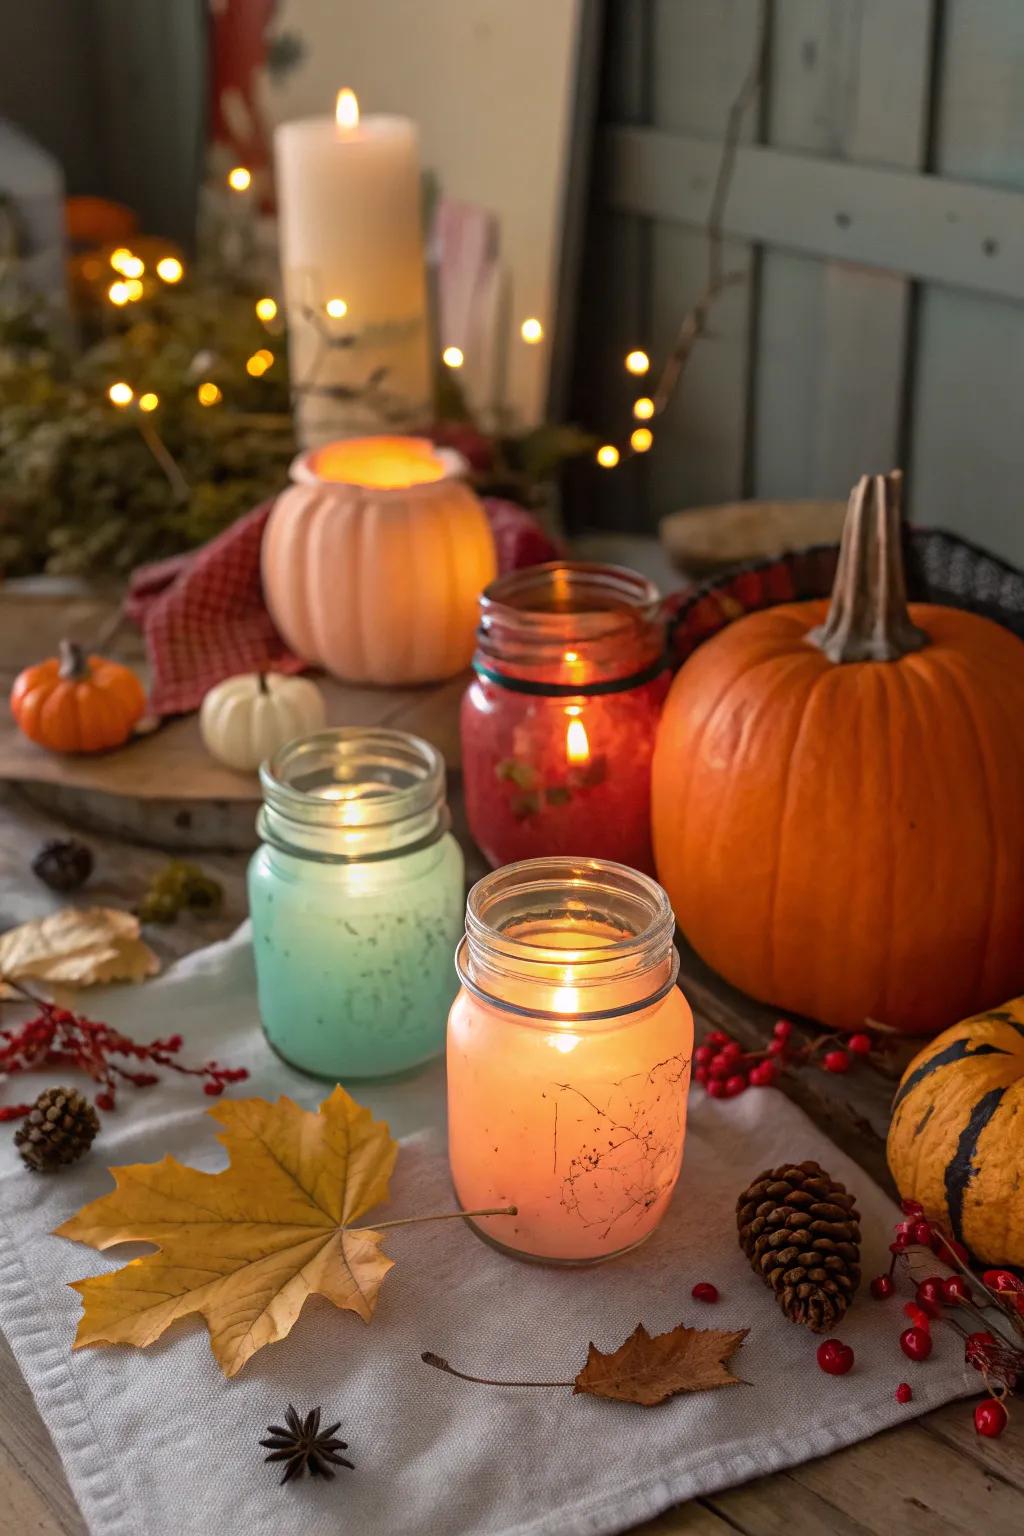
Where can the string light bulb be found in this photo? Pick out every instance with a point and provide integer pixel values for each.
(239, 178)
(132, 266)
(643, 409)
(258, 364)
(641, 439)
(121, 393)
(637, 362)
(117, 293)
(336, 308)
(208, 393)
(607, 456)
(119, 256)
(169, 269)
(531, 331)
(149, 401)
(133, 289)
(266, 309)
(453, 357)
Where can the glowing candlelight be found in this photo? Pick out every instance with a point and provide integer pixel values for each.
(577, 747)
(346, 110)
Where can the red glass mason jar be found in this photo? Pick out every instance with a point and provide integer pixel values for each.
(558, 725)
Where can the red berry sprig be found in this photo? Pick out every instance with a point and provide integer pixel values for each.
(724, 1069)
(947, 1298)
(58, 1037)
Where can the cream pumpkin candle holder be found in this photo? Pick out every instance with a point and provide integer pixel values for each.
(374, 558)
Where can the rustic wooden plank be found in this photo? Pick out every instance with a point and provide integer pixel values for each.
(1004, 1458)
(969, 370)
(694, 1519)
(35, 1499)
(849, 81)
(780, 1506)
(701, 53)
(929, 227)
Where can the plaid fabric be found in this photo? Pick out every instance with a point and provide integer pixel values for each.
(203, 617)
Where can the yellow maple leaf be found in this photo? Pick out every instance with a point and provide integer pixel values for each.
(77, 947)
(246, 1246)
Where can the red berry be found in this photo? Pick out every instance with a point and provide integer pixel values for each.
(705, 1291)
(1002, 1280)
(900, 1243)
(716, 1088)
(763, 1075)
(735, 1084)
(213, 1089)
(104, 1101)
(703, 1054)
(881, 1287)
(978, 1347)
(912, 1208)
(700, 1074)
(918, 1317)
(904, 1392)
(836, 1061)
(717, 1037)
(929, 1295)
(782, 1029)
(921, 1233)
(776, 1047)
(916, 1343)
(719, 1066)
(958, 1249)
(990, 1418)
(732, 1051)
(860, 1045)
(835, 1357)
(955, 1291)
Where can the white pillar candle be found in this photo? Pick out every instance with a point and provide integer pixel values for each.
(351, 237)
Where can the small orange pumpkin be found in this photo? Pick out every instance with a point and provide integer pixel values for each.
(77, 703)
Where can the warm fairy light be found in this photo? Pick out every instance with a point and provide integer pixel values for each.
(608, 456)
(121, 393)
(258, 364)
(208, 393)
(346, 110)
(119, 257)
(266, 309)
(336, 308)
(133, 290)
(453, 357)
(643, 409)
(117, 293)
(132, 266)
(531, 331)
(169, 269)
(641, 439)
(570, 656)
(577, 746)
(239, 178)
(637, 362)
(149, 401)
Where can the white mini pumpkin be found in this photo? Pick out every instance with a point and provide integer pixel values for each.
(245, 719)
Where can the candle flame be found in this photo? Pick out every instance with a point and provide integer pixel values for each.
(346, 111)
(577, 745)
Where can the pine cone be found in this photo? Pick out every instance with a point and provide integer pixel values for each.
(59, 1128)
(801, 1232)
(63, 863)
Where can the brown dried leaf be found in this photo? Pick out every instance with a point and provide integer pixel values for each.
(648, 1370)
(77, 948)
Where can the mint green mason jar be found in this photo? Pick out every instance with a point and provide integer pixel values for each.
(357, 898)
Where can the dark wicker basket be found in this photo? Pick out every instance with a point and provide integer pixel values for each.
(940, 568)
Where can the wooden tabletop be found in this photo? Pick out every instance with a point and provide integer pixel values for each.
(932, 1477)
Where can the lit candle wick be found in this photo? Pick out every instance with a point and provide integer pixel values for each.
(577, 746)
(346, 111)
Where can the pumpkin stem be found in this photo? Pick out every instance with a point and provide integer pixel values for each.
(73, 663)
(868, 619)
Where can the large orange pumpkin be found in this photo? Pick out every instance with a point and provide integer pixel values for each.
(838, 797)
(374, 561)
(77, 703)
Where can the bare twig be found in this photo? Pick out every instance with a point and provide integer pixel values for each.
(163, 456)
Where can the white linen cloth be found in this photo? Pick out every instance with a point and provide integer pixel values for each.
(157, 1441)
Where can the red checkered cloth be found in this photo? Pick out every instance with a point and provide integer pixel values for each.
(203, 617)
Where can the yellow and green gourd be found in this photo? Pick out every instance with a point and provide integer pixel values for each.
(956, 1138)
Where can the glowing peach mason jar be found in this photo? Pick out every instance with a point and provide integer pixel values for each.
(569, 1052)
(558, 726)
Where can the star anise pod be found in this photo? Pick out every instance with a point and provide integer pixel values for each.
(304, 1447)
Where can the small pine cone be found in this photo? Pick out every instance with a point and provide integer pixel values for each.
(63, 863)
(60, 1127)
(801, 1232)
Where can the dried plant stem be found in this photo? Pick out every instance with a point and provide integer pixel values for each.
(429, 1358)
(166, 460)
(408, 1221)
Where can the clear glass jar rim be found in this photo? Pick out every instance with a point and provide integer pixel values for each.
(593, 601)
(564, 882)
(393, 777)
